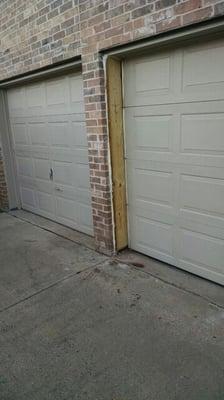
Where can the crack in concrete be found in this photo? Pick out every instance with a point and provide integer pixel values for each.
(116, 259)
(207, 299)
(30, 296)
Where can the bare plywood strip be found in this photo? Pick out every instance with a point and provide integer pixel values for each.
(114, 91)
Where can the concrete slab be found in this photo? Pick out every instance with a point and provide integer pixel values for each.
(32, 258)
(175, 276)
(104, 332)
(54, 227)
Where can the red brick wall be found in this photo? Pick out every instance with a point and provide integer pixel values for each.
(35, 33)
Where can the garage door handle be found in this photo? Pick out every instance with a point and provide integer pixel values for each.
(51, 174)
(58, 189)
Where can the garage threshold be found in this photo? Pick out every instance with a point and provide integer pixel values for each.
(54, 227)
(183, 280)
(169, 274)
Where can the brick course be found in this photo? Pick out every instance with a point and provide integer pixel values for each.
(36, 33)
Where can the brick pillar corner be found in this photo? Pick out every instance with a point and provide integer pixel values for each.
(98, 150)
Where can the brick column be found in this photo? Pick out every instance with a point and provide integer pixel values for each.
(98, 144)
(96, 122)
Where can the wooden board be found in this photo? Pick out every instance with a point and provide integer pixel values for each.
(114, 93)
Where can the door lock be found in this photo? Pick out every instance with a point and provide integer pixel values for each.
(51, 174)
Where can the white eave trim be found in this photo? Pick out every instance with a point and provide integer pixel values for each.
(209, 27)
(42, 74)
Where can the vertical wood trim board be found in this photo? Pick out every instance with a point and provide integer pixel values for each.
(116, 136)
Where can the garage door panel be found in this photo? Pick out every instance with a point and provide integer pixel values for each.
(71, 193)
(45, 202)
(27, 181)
(202, 133)
(42, 168)
(25, 167)
(193, 138)
(59, 134)
(72, 174)
(180, 165)
(205, 107)
(76, 93)
(212, 275)
(160, 234)
(153, 185)
(76, 156)
(28, 197)
(38, 133)
(35, 152)
(67, 209)
(17, 102)
(43, 187)
(139, 138)
(152, 79)
(74, 214)
(158, 78)
(197, 161)
(35, 98)
(200, 72)
(79, 138)
(20, 135)
(84, 196)
(83, 182)
(68, 134)
(152, 238)
(201, 222)
(202, 250)
(178, 76)
(64, 173)
(174, 150)
(156, 212)
(149, 165)
(85, 218)
(202, 162)
(67, 193)
(202, 194)
(152, 159)
(57, 97)
(49, 133)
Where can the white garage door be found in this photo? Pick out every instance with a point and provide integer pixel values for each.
(50, 145)
(174, 128)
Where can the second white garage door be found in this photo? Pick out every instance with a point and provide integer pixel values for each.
(50, 146)
(174, 128)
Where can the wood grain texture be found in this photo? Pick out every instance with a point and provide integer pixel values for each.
(114, 90)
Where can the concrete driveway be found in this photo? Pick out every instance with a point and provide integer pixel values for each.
(75, 324)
